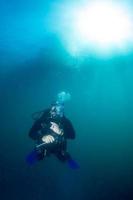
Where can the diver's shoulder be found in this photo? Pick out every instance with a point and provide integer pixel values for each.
(66, 119)
(46, 112)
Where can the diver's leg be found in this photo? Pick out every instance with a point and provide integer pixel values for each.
(41, 154)
(44, 151)
(35, 156)
(61, 152)
(63, 155)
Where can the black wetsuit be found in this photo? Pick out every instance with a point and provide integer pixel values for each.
(41, 127)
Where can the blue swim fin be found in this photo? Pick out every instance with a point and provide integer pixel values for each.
(32, 158)
(73, 164)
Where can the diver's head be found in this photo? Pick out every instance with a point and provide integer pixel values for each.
(57, 110)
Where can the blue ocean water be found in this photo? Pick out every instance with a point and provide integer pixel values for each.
(34, 67)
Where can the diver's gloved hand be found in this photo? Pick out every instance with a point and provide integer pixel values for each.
(55, 127)
(48, 139)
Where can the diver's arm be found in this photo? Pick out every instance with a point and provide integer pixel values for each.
(69, 130)
(35, 131)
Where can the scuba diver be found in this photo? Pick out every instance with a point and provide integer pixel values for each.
(50, 133)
